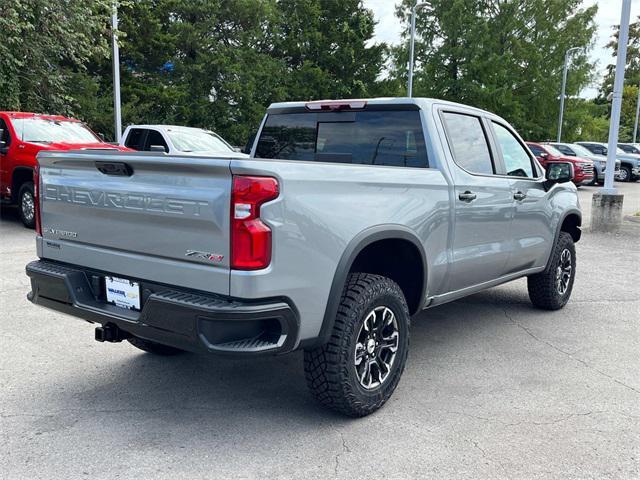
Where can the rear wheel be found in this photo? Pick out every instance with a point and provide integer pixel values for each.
(356, 372)
(551, 289)
(27, 205)
(153, 347)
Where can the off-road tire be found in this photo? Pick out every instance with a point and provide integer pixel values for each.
(543, 287)
(330, 369)
(27, 221)
(153, 347)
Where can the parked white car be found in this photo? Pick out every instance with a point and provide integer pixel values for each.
(176, 140)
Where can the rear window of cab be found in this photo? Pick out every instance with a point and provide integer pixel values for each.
(385, 137)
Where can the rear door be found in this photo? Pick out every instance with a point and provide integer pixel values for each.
(139, 215)
(483, 203)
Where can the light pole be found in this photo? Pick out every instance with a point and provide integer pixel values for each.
(635, 125)
(116, 73)
(412, 42)
(616, 105)
(564, 86)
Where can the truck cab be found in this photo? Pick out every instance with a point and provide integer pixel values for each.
(22, 136)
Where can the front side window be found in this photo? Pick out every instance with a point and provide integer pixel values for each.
(536, 150)
(391, 138)
(155, 138)
(516, 159)
(40, 130)
(468, 143)
(565, 150)
(135, 139)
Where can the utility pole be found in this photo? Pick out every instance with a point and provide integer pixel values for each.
(116, 73)
(635, 125)
(616, 105)
(606, 205)
(564, 87)
(412, 41)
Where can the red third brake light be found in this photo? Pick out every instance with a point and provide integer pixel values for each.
(36, 198)
(250, 236)
(336, 105)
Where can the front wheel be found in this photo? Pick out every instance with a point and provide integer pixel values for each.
(625, 174)
(594, 182)
(551, 289)
(27, 205)
(356, 372)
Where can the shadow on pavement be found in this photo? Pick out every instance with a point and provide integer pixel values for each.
(210, 391)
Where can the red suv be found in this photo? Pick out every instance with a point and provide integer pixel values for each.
(22, 136)
(582, 168)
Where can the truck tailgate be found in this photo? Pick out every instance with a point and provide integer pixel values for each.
(138, 215)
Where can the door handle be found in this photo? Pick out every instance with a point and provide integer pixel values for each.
(519, 196)
(467, 196)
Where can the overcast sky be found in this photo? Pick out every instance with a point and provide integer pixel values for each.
(388, 28)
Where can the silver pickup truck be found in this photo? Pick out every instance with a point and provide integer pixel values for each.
(348, 218)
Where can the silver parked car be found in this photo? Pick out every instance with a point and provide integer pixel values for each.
(599, 161)
(630, 163)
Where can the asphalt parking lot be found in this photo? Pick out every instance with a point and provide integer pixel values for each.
(493, 389)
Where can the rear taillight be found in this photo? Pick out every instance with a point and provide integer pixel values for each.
(36, 198)
(250, 236)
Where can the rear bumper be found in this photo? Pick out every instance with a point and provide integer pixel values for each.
(184, 319)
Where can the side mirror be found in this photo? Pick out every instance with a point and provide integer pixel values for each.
(102, 137)
(544, 155)
(558, 172)
(157, 148)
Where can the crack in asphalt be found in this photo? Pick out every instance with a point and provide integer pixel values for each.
(568, 354)
(527, 422)
(345, 449)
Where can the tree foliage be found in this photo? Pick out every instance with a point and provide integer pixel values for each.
(219, 63)
(505, 56)
(632, 62)
(44, 46)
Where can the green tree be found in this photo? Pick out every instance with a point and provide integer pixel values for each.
(632, 63)
(505, 56)
(219, 64)
(44, 46)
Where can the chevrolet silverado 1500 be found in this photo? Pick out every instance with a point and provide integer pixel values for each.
(348, 218)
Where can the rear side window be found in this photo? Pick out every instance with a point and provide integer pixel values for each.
(155, 138)
(468, 143)
(391, 138)
(135, 139)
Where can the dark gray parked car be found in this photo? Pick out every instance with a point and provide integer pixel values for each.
(349, 217)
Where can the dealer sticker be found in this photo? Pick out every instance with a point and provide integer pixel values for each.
(122, 292)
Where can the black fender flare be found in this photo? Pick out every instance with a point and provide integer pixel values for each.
(353, 248)
(571, 211)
